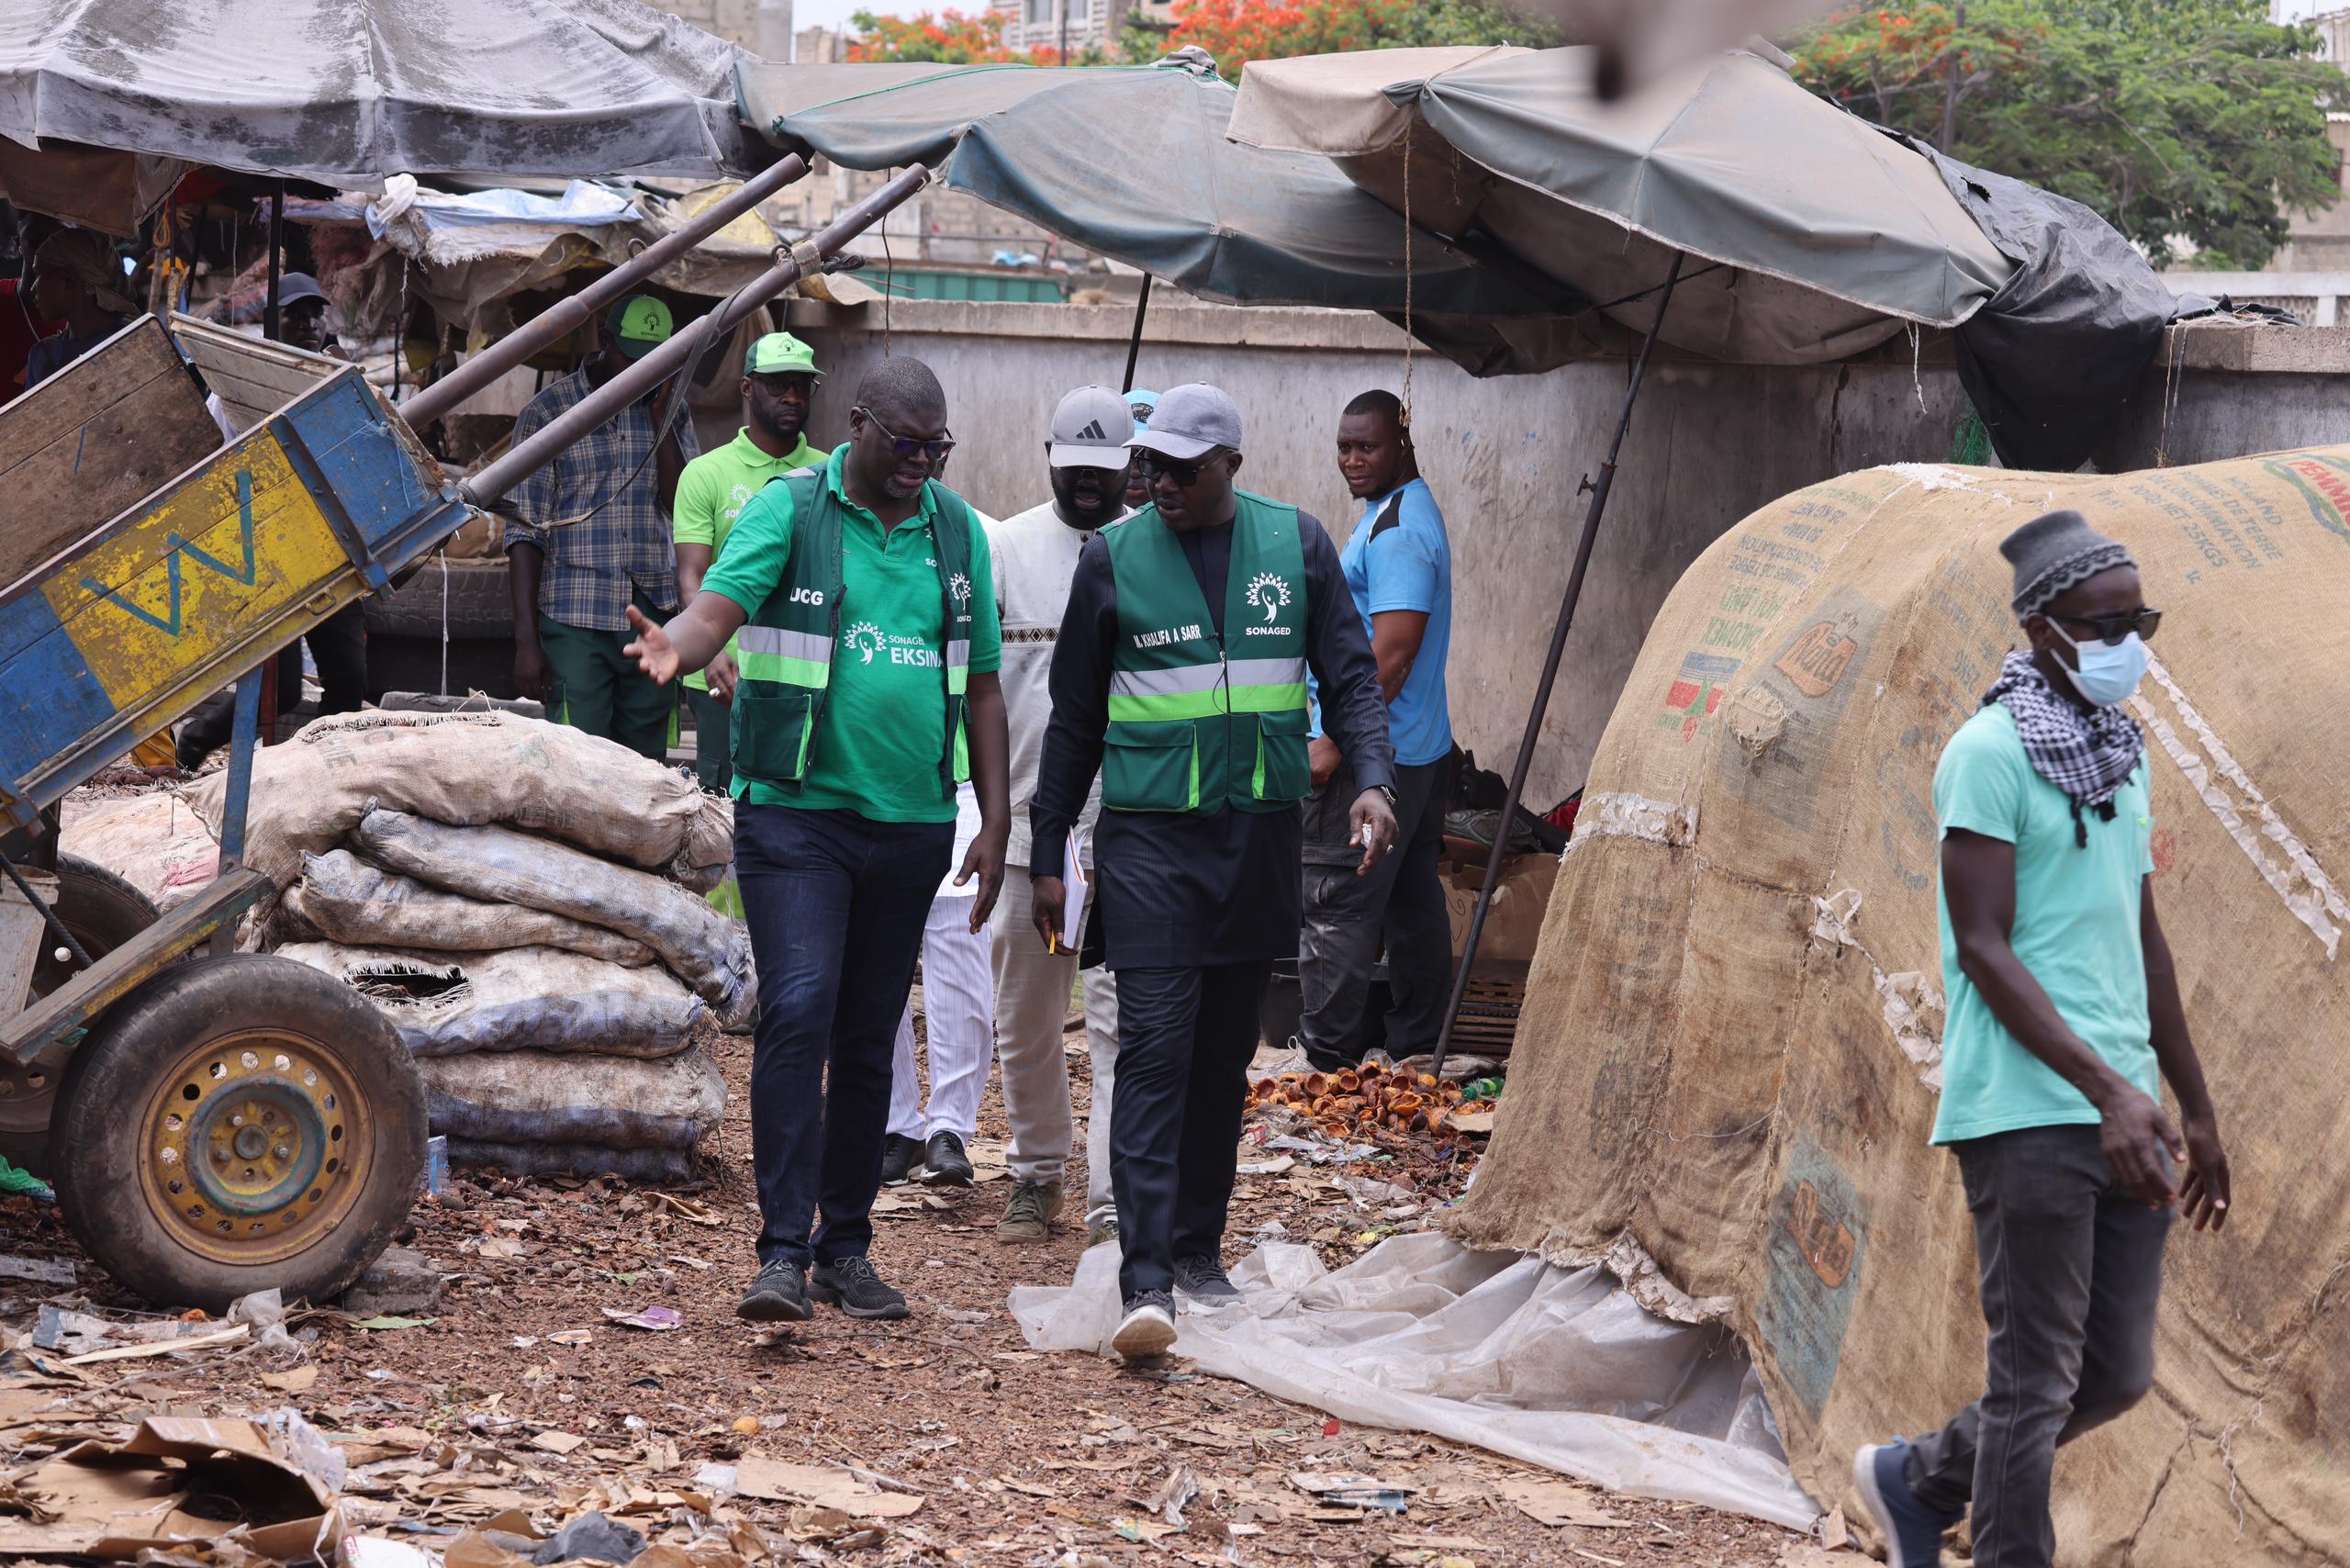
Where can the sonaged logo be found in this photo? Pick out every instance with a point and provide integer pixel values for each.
(1818, 659)
(866, 638)
(1269, 593)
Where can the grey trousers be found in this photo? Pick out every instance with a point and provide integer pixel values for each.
(1401, 903)
(2071, 1269)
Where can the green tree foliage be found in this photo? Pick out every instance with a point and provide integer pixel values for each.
(1237, 31)
(2174, 119)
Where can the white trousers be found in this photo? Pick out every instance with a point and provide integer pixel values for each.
(1032, 992)
(957, 1008)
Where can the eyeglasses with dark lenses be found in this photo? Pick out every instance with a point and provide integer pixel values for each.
(1183, 473)
(2113, 628)
(907, 446)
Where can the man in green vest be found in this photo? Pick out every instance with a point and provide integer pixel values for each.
(780, 378)
(1180, 676)
(868, 643)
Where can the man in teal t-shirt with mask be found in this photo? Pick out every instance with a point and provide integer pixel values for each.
(780, 378)
(2064, 1017)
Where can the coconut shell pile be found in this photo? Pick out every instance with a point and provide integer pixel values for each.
(1366, 1102)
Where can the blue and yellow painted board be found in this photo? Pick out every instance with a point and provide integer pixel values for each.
(237, 559)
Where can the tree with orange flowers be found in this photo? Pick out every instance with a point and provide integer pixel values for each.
(948, 37)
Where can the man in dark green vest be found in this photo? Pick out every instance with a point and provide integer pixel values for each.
(867, 647)
(1180, 675)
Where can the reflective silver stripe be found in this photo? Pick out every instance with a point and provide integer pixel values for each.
(1267, 672)
(1168, 682)
(786, 644)
(958, 653)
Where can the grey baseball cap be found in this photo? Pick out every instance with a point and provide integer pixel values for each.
(1090, 430)
(1189, 420)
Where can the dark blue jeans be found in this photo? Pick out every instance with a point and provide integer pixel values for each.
(836, 905)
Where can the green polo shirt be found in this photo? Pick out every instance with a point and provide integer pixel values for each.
(884, 727)
(713, 489)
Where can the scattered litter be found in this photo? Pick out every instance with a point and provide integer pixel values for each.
(299, 1381)
(166, 1491)
(574, 1336)
(757, 1476)
(559, 1442)
(592, 1537)
(38, 1271)
(1558, 1502)
(655, 1319)
(385, 1323)
(1347, 1491)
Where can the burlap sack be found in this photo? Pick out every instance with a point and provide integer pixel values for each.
(539, 1097)
(528, 999)
(473, 768)
(343, 899)
(709, 951)
(155, 842)
(1729, 1047)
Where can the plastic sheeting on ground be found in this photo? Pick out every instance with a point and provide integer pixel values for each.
(1558, 1367)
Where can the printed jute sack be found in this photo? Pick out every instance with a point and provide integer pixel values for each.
(471, 769)
(526, 999)
(539, 1097)
(1728, 1057)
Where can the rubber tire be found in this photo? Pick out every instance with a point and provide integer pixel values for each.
(96, 1144)
(102, 912)
(481, 603)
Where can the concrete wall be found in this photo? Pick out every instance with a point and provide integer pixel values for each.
(1709, 443)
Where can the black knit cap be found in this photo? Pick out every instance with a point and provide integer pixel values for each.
(2056, 552)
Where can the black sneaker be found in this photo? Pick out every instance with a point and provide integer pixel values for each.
(1148, 1329)
(851, 1282)
(778, 1295)
(948, 1165)
(1204, 1279)
(900, 1155)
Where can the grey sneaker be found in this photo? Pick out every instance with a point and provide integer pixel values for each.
(1100, 1231)
(1203, 1280)
(1148, 1329)
(851, 1282)
(1029, 1215)
(778, 1295)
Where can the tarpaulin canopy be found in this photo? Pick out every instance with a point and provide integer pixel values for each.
(1134, 163)
(344, 92)
(1824, 235)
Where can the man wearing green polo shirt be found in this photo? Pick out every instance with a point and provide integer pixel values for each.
(780, 378)
(868, 650)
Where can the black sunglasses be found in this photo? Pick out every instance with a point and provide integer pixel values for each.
(906, 446)
(2113, 628)
(1183, 473)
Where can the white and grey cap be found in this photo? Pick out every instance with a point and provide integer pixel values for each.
(1090, 430)
(2055, 553)
(1190, 422)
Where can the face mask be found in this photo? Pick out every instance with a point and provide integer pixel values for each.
(2109, 672)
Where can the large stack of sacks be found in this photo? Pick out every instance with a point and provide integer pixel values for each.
(525, 902)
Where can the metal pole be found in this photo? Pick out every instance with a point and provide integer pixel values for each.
(1549, 673)
(277, 238)
(429, 403)
(674, 355)
(1134, 343)
(240, 792)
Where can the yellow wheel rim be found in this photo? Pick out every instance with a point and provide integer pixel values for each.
(255, 1144)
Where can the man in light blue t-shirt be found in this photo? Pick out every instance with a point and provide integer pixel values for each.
(1399, 568)
(2063, 1019)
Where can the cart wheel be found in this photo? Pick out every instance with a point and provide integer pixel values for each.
(239, 1122)
(102, 912)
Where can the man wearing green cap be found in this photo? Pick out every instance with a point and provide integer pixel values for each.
(780, 378)
(593, 539)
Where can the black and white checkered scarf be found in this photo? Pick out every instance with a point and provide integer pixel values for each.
(2090, 756)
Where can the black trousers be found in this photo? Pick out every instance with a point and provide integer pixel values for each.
(1185, 1037)
(2072, 1270)
(339, 646)
(1348, 916)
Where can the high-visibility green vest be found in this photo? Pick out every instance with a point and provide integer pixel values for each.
(785, 651)
(1198, 722)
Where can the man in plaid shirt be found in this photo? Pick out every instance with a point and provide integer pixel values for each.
(594, 538)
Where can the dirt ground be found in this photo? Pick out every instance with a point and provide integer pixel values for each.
(521, 1393)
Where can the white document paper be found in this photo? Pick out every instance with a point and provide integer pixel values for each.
(1073, 904)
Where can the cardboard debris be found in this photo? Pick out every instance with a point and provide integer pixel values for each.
(177, 1481)
(1558, 1502)
(820, 1487)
